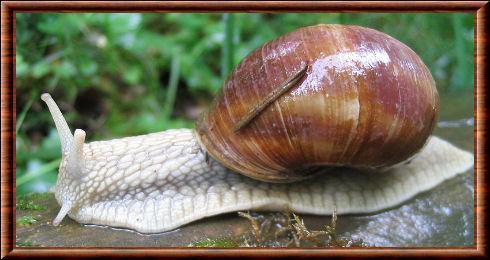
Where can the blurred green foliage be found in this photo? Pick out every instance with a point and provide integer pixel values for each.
(125, 74)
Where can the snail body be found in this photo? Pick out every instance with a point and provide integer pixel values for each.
(292, 111)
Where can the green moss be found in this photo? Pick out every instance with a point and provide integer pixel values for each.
(215, 242)
(29, 205)
(23, 243)
(36, 195)
(26, 220)
(26, 202)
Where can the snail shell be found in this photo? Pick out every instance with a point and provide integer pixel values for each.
(363, 99)
(322, 95)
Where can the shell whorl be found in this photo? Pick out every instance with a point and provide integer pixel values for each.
(367, 101)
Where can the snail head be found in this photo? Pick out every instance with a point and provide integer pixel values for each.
(72, 167)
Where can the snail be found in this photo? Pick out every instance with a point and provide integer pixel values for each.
(324, 117)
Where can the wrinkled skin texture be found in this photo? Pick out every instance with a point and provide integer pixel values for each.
(158, 182)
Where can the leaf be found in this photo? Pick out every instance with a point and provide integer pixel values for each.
(66, 70)
(40, 69)
(21, 67)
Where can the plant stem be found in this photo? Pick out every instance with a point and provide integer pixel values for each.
(22, 115)
(460, 76)
(29, 176)
(227, 55)
(172, 86)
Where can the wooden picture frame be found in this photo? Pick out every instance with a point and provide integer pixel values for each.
(8, 119)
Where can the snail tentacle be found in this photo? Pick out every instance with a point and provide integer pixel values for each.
(62, 213)
(76, 160)
(64, 132)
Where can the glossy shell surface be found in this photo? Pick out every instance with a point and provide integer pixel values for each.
(366, 101)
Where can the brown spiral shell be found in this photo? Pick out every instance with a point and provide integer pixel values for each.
(365, 100)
